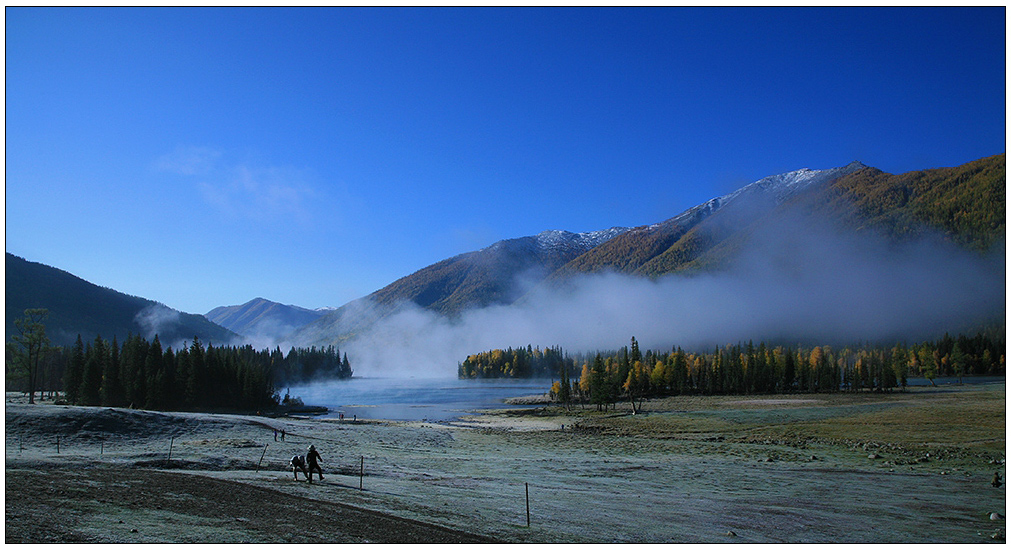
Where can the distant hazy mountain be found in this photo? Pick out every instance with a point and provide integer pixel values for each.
(79, 307)
(262, 319)
(498, 274)
(965, 204)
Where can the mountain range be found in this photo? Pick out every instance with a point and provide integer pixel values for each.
(964, 205)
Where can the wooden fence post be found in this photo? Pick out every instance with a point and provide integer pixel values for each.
(527, 487)
(171, 442)
(261, 456)
(361, 474)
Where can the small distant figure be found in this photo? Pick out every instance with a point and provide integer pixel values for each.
(282, 435)
(314, 459)
(298, 463)
(996, 480)
(275, 434)
(342, 417)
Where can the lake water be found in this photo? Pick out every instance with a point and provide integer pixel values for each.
(414, 398)
(446, 398)
(951, 380)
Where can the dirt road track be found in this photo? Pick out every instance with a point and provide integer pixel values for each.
(131, 505)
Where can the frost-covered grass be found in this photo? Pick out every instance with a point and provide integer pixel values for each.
(691, 469)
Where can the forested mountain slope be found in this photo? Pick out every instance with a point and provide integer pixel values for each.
(498, 274)
(79, 307)
(661, 248)
(966, 203)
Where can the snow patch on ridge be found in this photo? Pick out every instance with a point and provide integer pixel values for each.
(554, 238)
(784, 185)
(779, 186)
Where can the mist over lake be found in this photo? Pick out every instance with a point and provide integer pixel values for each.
(414, 398)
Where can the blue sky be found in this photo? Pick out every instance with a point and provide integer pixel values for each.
(203, 157)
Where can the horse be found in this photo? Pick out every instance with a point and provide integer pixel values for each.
(297, 463)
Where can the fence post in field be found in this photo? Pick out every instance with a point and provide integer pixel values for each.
(171, 442)
(361, 474)
(261, 456)
(527, 487)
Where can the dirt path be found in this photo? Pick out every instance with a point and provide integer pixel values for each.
(127, 505)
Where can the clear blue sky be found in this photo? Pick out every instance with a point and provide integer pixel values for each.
(204, 157)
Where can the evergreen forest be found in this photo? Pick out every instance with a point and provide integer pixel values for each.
(144, 375)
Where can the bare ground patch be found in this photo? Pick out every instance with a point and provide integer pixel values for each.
(108, 504)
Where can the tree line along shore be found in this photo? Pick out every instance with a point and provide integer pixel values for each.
(143, 374)
(630, 374)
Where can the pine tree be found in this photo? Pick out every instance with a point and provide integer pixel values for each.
(900, 364)
(153, 376)
(678, 373)
(789, 370)
(565, 388)
(96, 357)
(598, 383)
(883, 364)
(958, 360)
(75, 372)
(636, 355)
(169, 397)
(132, 361)
(803, 373)
(196, 375)
(112, 386)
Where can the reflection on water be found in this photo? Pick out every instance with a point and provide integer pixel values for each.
(446, 398)
(414, 398)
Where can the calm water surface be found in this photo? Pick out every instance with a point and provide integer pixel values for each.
(447, 398)
(414, 398)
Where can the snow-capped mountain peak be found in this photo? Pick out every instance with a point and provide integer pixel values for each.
(554, 238)
(779, 187)
(783, 185)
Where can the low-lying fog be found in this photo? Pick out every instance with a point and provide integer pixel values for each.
(794, 283)
(411, 398)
